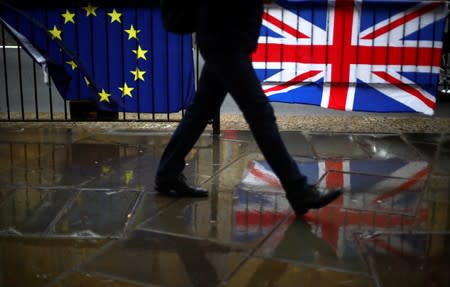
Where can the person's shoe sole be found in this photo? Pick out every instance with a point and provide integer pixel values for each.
(327, 199)
(173, 193)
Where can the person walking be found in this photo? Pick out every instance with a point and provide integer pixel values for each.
(226, 35)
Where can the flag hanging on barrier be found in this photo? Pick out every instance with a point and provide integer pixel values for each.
(358, 55)
(123, 59)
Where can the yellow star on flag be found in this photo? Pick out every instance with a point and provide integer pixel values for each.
(126, 91)
(128, 177)
(72, 64)
(68, 17)
(140, 53)
(86, 80)
(90, 10)
(138, 74)
(132, 33)
(104, 96)
(115, 16)
(55, 32)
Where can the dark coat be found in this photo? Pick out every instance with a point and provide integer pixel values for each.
(232, 24)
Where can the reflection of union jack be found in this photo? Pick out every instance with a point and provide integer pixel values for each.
(353, 55)
(379, 195)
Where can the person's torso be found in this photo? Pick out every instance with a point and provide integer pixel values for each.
(231, 25)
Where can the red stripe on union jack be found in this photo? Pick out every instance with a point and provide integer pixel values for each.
(343, 54)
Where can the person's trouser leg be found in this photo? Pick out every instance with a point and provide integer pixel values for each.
(206, 103)
(238, 76)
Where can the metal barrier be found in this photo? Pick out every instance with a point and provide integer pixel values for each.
(25, 97)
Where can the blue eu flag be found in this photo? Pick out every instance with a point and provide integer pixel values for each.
(121, 58)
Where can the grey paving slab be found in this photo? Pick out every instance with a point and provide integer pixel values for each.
(428, 151)
(96, 213)
(317, 245)
(433, 217)
(267, 272)
(428, 138)
(76, 279)
(242, 218)
(151, 204)
(337, 146)
(446, 142)
(386, 146)
(154, 259)
(37, 261)
(5, 193)
(442, 164)
(297, 144)
(60, 192)
(246, 203)
(407, 259)
(394, 167)
(31, 211)
(133, 172)
(31, 155)
(377, 193)
(438, 188)
(129, 137)
(42, 134)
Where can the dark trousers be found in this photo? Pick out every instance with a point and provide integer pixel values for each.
(231, 71)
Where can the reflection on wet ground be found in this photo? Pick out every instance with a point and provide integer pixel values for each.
(77, 208)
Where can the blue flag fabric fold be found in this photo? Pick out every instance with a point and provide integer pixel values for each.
(123, 59)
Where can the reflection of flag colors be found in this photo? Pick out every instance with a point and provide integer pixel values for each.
(120, 58)
(379, 194)
(365, 55)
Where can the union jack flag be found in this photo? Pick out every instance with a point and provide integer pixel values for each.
(379, 196)
(356, 55)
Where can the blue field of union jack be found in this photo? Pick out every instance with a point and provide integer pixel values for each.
(353, 55)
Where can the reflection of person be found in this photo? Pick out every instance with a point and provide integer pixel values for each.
(299, 243)
(226, 36)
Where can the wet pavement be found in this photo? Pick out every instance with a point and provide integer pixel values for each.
(77, 208)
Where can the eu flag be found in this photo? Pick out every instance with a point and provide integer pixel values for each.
(122, 58)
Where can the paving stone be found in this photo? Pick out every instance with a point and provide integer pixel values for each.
(266, 272)
(37, 261)
(154, 259)
(96, 213)
(406, 259)
(76, 279)
(31, 211)
(387, 147)
(371, 193)
(40, 135)
(315, 244)
(60, 190)
(337, 146)
(442, 164)
(433, 216)
(438, 188)
(242, 218)
(428, 138)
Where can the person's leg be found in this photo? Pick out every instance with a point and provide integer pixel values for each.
(206, 103)
(236, 71)
(238, 76)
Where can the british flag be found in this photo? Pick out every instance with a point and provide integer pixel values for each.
(382, 196)
(356, 55)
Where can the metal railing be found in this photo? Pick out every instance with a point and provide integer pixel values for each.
(25, 97)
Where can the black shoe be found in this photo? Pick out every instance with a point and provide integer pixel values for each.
(310, 198)
(177, 186)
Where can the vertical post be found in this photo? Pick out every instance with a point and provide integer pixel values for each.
(216, 124)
